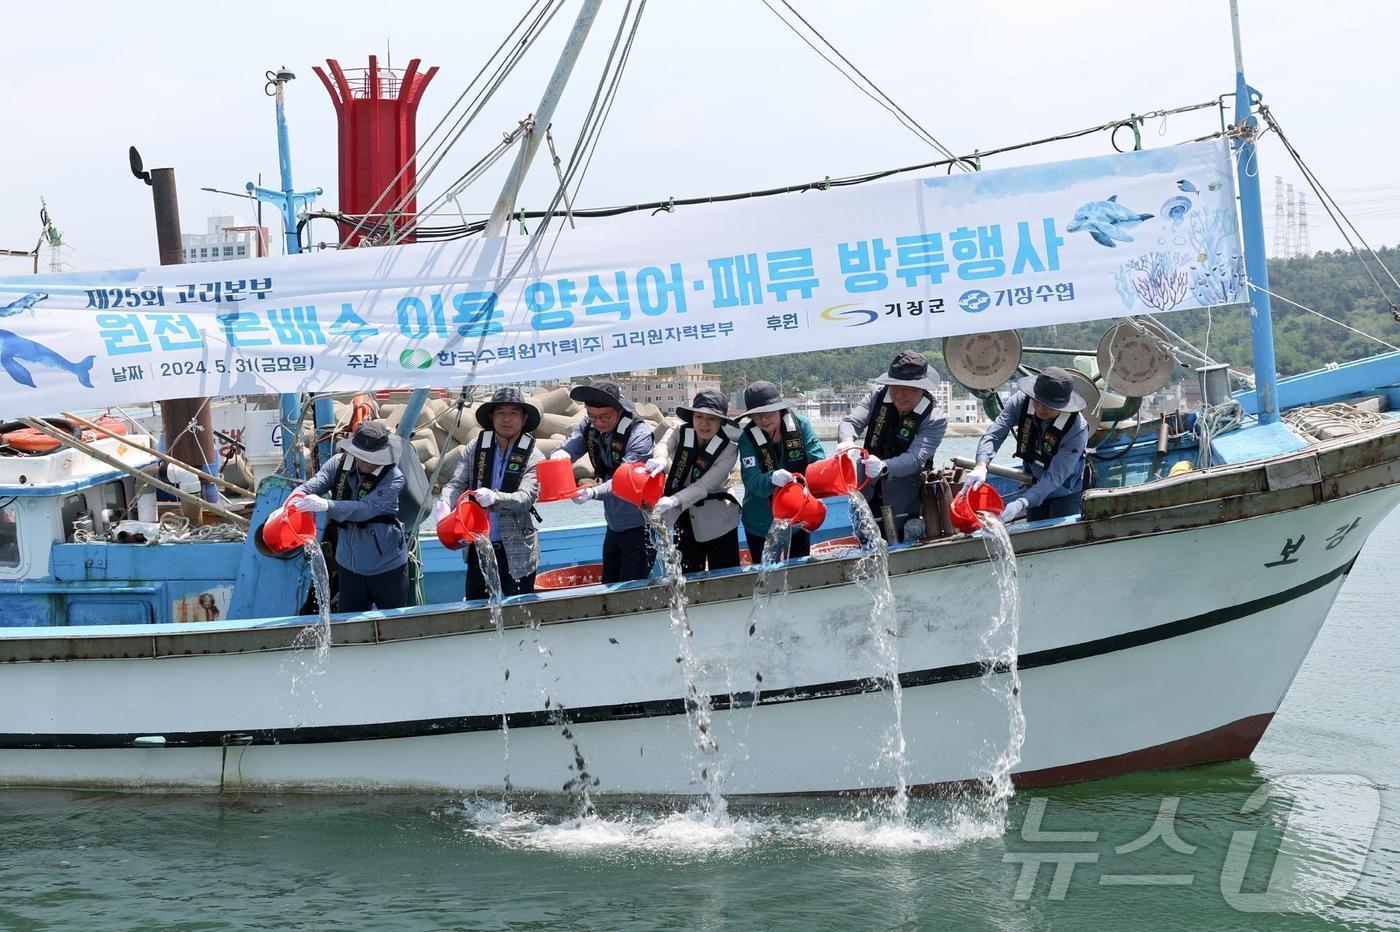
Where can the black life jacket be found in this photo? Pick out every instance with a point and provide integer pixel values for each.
(890, 433)
(788, 452)
(484, 465)
(592, 439)
(340, 490)
(1041, 449)
(692, 460)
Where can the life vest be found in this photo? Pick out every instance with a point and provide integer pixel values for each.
(788, 452)
(692, 460)
(484, 465)
(340, 490)
(890, 433)
(617, 448)
(1042, 449)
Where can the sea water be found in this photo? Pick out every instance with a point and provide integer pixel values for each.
(311, 648)
(491, 576)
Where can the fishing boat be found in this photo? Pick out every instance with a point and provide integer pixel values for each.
(1160, 628)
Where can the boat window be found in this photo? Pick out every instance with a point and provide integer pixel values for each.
(9, 535)
(76, 515)
(114, 499)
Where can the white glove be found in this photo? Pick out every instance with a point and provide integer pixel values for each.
(313, 504)
(666, 503)
(1014, 509)
(485, 497)
(845, 445)
(874, 466)
(781, 477)
(560, 454)
(586, 494)
(655, 465)
(975, 477)
(440, 511)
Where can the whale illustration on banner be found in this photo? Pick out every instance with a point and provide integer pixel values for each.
(23, 304)
(1106, 221)
(16, 350)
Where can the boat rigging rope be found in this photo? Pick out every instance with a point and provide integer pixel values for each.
(1334, 212)
(1326, 422)
(883, 99)
(443, 233)
(1343, 325)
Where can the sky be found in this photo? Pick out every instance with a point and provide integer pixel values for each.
(719, 97)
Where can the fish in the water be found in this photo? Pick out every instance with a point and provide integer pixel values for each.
(16, 350)
(23, 304)
(1188, 187)
(1106, 221)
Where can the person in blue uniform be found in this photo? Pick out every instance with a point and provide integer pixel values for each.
(359, 489)
(775, 444)
(1052, 440)
(611, 434)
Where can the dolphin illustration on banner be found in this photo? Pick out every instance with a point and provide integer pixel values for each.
(16, 350)
(1106, 221)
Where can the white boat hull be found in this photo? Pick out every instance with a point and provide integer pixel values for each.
(1164, 648)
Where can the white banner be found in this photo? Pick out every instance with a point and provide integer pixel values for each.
(895, 261)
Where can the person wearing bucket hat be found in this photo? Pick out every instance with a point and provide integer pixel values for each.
(611, 434)
(697, 456)
(775, 443)
(902, 428)
(358, 489)
(498, 470)
(1052, 441)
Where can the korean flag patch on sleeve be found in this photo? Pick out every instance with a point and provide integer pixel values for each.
(750, 461)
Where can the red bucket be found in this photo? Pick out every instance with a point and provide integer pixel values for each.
(632, 484)
(289, 530)
(794, 503)
(966, 505)
(556, 480)
(835, 475)
(464, 522)
(569, 577)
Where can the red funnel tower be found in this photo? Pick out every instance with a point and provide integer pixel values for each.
(376, 109)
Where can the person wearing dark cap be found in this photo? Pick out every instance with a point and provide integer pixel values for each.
(902, 428)
(1052, 440)
(498, 470)
(775, 444)
(697, 456)
(361, 485)
(611, 434)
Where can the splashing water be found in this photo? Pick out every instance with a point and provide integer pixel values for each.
(1001, 675)
(491, 576)
(873, 577)
(312, 645)
(698, 712)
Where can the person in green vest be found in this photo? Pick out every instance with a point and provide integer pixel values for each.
(775, 444)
